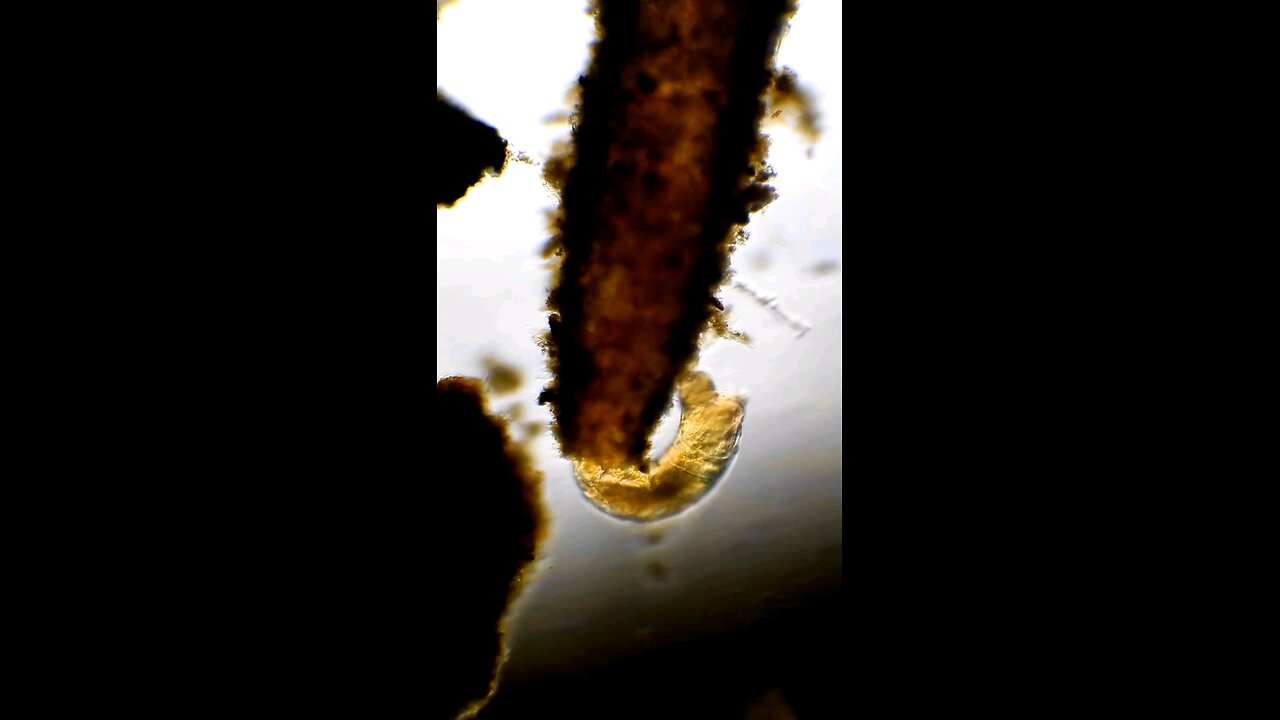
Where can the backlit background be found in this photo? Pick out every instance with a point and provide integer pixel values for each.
(769, 535)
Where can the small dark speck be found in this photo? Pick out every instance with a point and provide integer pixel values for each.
(825, 268)
(785, 82)
(656, 570)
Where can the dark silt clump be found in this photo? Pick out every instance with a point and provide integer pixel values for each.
(462, 150)
(483, 483)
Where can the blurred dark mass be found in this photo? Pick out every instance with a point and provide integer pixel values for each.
(463, 149)
(489, 485)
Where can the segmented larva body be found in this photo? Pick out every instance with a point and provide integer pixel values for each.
(710, 425)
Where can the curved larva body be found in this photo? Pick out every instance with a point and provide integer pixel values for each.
(710, 425)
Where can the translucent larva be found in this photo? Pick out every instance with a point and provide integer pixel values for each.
(710, 425)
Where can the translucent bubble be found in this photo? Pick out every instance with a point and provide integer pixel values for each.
(707, 440)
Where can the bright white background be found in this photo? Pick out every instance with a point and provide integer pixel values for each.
(771, 530)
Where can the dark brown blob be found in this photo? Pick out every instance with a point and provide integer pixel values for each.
(651, 194)
(500, 377)
(462, 149)
(656, 569)
(485, 482)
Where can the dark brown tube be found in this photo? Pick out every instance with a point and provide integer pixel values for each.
(666, 153)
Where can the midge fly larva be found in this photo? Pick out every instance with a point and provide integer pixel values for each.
(710, 424)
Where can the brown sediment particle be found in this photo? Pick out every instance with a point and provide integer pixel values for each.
(826, 267)
(719, 325)
(501, 377)
(789, 99)
(668, 122)
(497, 495)
(531, 430)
